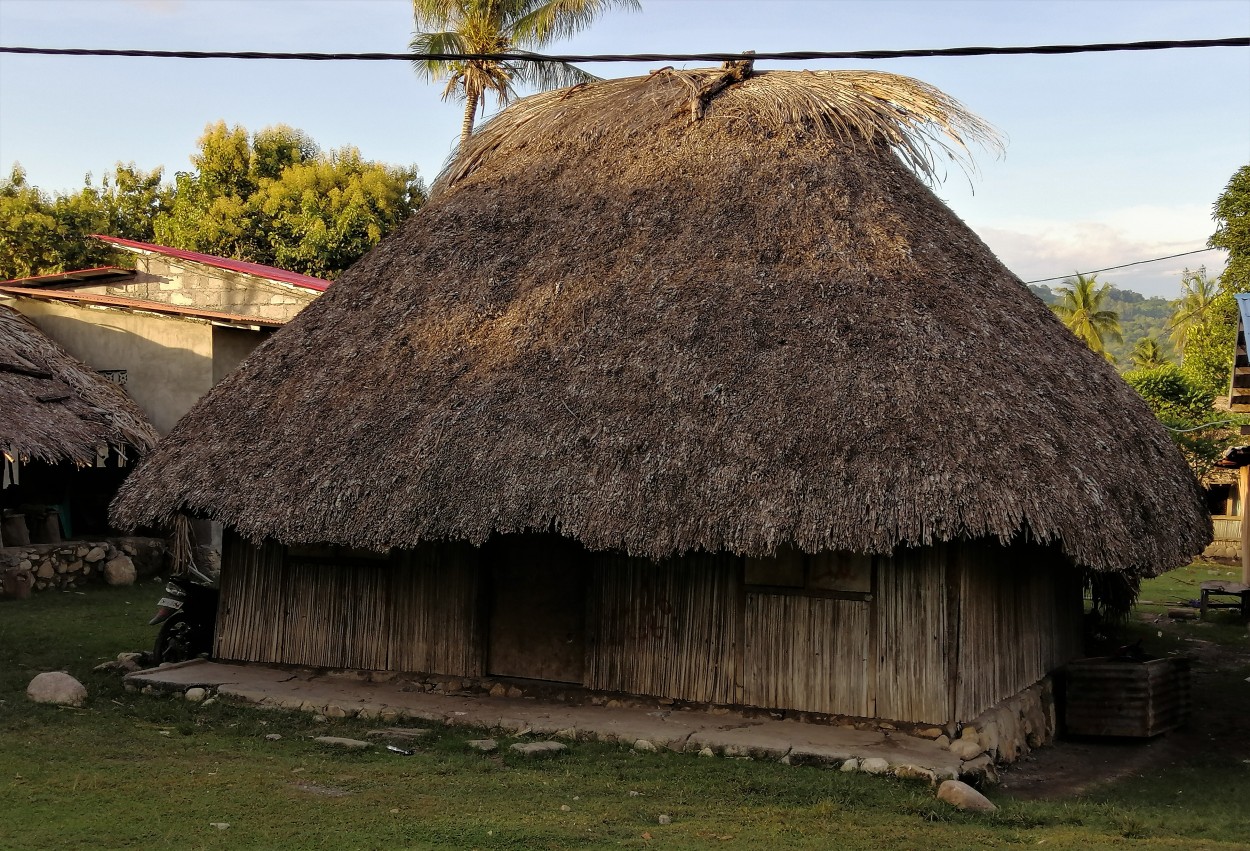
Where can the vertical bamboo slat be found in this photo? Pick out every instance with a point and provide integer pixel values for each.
(806, 653)
(1020, 619)
(912, 673)
(665, 629)
(415, 612)
(437, 625)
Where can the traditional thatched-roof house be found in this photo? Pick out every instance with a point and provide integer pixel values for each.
(66, 434)
(683, 386)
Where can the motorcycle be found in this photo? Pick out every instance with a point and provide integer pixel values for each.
(187, 615)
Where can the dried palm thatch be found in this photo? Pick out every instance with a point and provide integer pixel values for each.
(54, 408)
(661, 318)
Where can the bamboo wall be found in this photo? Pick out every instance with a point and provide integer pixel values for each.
(413, 611)
(945, 633)
(913, 648)
(807, 653)
(1020, 618)
(664, 628)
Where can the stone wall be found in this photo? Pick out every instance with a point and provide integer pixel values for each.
(1007, 731)
(72, 564)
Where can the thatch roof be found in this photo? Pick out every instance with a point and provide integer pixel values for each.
(657, 333)
(54, 408)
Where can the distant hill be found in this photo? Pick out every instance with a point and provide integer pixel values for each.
(1139, 317)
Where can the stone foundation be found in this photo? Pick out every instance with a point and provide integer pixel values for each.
(1008, 731)
(72, 564)
(1224, 551)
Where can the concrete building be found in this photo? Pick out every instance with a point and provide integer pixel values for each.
(168, 329)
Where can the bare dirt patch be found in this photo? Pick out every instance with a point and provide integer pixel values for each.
(1218, 729)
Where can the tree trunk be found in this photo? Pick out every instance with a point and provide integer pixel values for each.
(466, 126)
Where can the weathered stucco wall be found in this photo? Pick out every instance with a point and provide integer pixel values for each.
(195, 285)
(231, 346)
(168, 362)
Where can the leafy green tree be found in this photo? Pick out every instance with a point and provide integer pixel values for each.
(273, 197)
(1081, 307)
(1232, 232)
(322, 214)
(40, 235)
(1208, 350)
(1148, 354)
(1193, 309)
(27, 229)
(499, 26)
(211, 211)
(1184, 407)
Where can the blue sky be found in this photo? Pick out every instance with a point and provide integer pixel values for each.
(1111, 158)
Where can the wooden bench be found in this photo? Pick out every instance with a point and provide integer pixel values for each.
(1222, 588)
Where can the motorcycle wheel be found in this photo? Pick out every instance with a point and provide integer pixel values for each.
(174, 641)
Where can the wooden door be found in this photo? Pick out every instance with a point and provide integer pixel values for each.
(538, 608)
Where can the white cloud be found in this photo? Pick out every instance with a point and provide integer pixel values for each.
(1043, 248)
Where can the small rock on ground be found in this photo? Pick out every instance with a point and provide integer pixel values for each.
(962, 796)
(195, 695)
(537, 748)
(874, 765)
(966, 748)
(56, 687)
(483, 745)
(850, 765)
(339, 741)
(914, 772)
(644, 745)
(399, 733)
(665, 819)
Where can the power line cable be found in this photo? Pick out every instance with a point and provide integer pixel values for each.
(784, 56)
(1123, 265)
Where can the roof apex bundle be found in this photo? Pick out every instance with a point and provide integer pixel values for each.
(661, 328)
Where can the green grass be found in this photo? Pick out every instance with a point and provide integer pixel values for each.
(1177, 588)
(136, 771)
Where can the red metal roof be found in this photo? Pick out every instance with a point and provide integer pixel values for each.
(76, 276)
(271, 272)
(140, 304)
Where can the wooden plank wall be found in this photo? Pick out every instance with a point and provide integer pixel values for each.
(912, 646)
(667, 629)
(417, 611)
(1020, 618)
(806, 653)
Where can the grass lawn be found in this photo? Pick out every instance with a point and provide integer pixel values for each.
(136, 771)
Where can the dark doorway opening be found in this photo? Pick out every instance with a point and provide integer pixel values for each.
(537, 608)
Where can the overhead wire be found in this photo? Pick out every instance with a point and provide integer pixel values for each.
(782, 56)
(1124, 265)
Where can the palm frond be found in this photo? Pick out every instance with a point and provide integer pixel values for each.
(546, 21)
(432, 14)
(436, 42)
(549, 75)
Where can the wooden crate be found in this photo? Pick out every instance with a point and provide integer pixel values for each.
(1110, 697)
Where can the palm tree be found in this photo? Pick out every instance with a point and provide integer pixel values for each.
(1193, 308)
(1148, 354)
(499, 26)
(1080, 306)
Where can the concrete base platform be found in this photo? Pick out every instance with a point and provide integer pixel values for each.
(722, 732)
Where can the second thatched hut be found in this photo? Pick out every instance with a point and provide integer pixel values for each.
(682, 386)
